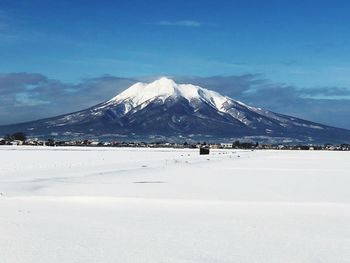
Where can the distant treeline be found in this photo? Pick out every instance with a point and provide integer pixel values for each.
(20, 138)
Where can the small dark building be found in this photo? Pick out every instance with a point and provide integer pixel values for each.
(204, 150)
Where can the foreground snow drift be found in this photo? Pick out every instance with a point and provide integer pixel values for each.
(160, 205)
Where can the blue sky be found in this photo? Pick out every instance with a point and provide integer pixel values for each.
(298, 45)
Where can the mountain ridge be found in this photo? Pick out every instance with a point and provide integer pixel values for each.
(165, 109)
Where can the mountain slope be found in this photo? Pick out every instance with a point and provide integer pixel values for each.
(170, 110)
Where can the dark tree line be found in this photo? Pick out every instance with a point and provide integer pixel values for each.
(244, 145)
(21, 136)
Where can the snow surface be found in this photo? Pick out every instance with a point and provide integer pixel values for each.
(166, 205)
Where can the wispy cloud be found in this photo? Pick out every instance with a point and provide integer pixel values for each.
(326, 92)
(183, 23)
(28, 96)
(328, 105)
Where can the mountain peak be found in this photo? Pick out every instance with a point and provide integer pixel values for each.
(164, 81)
(141, 92)
(163, 88)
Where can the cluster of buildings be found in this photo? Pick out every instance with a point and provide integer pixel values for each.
(165, 144)
(325, 147)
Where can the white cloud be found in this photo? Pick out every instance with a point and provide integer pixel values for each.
(184, 23)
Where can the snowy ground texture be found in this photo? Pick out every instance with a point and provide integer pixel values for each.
(163, 205)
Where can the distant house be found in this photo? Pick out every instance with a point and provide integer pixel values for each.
(331, 147)
(32, 142)
(16, 142)
(215, 146)
(226, 145)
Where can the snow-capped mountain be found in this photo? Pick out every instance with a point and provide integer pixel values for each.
(165, 109)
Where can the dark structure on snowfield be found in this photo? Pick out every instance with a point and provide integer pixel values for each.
(204, 150)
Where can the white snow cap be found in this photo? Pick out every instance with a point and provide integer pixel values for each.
(164, 88)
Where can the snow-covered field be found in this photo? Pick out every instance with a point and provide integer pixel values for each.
(167, 205)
